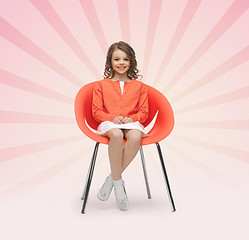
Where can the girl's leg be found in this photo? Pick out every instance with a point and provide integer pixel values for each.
(133, 137)
(115, 150)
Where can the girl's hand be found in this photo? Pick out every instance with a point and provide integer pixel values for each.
(118, 120)
(127, 120)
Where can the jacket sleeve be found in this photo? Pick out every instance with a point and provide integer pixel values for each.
(98, 111)
(143, 106)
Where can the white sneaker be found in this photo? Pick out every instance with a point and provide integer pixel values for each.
(106, 189)
(120, 193)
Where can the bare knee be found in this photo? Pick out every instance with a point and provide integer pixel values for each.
(134, 136)
(115, 134)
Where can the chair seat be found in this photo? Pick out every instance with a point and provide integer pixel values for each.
(105, 140)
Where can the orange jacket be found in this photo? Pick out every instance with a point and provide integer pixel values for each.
(109, 102)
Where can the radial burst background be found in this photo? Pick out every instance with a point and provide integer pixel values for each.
(195, 52)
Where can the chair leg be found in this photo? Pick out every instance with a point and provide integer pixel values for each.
(166, 178)
(89, 177)
(84, 191)
(145, 173)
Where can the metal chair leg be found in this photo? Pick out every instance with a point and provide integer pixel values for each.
(166, 178)
(89, 177)
(84, 191)
(145, 173)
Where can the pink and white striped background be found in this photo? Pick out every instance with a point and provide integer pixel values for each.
(195, 52)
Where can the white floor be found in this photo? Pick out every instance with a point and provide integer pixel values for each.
(206, 208)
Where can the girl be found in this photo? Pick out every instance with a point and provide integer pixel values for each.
(120, 105)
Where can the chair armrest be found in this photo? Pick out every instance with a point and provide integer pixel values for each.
(89, 133)
(163, 125)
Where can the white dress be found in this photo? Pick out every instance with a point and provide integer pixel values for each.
(107, 125)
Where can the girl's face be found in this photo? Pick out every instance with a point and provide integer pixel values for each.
(120, 62)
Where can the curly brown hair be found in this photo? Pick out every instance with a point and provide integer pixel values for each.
(125, 47)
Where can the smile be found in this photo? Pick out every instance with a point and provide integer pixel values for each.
(121, 67)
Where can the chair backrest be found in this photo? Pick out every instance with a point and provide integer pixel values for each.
(83, 106)
(157, 103)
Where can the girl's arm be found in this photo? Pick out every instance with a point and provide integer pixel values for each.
(97, 105)
(143, 107)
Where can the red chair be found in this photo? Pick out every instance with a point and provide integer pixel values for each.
(163, 126)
